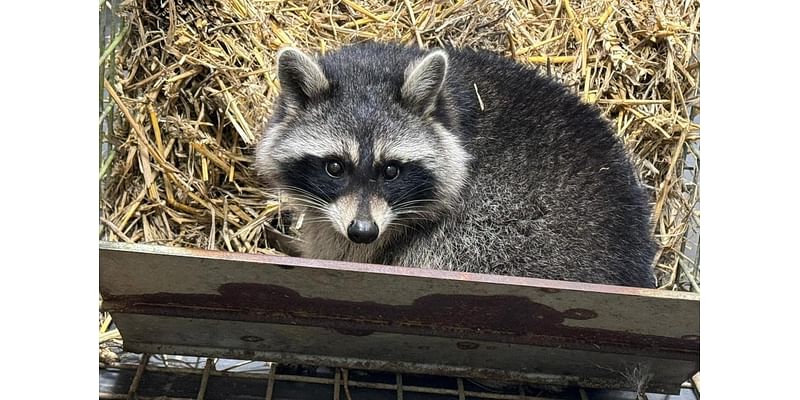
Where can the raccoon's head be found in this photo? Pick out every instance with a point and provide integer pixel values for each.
(358, 142)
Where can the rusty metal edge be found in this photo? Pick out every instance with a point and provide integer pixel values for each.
(394, 270)
(401, 367)
(665, 353)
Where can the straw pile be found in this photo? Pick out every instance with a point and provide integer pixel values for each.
(189, 85)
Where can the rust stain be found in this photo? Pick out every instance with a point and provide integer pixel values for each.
(467, 345)
(579, 314)
(501, 318)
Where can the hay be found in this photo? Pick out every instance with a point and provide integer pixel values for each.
(190, 84)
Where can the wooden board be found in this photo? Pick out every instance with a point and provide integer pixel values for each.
(222, 304)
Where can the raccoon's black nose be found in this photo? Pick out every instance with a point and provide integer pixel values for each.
(361, 231)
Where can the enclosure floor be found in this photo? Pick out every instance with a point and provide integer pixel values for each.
(182, 377)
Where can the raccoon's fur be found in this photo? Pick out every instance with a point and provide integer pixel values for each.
(453, 159)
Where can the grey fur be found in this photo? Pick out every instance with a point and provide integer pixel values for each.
(301, 74)
(423, 81)
(531, 182)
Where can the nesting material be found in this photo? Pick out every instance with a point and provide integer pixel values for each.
(190, 84)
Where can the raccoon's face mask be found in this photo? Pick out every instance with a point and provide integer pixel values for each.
(355, 149)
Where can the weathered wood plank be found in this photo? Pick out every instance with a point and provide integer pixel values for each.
(233, 305)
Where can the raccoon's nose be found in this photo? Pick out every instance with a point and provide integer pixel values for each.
(361, 231)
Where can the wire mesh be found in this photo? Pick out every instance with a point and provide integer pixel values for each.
(166, 377)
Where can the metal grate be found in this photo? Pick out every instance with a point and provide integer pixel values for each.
(145, 376)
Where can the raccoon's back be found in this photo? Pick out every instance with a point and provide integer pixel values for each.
(552, 194)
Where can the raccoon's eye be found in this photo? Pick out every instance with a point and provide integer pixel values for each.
(390, 172)
(334, 169)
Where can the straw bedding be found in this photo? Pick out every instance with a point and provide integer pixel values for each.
(188, 86)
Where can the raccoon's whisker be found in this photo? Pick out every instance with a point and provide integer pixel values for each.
(415, 210)
(413, 190)
(326, 198)
(303, 192)
(417, 217)
(419, 203)
(317, 210)
(304, 195)
(307, 201)
(399, 224)
(406, 195)
(306, 198)
(304, 201)
(415, 214)
(395, 225)
(316, 219)
(323, 219)
(414, 219)
(297, 190)
(320, 210)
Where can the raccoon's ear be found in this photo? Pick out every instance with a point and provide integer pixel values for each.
(301, 77)
(424, 79)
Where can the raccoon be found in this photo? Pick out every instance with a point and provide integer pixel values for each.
(453, 159)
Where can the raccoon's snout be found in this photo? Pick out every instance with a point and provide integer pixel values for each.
(361, 231)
